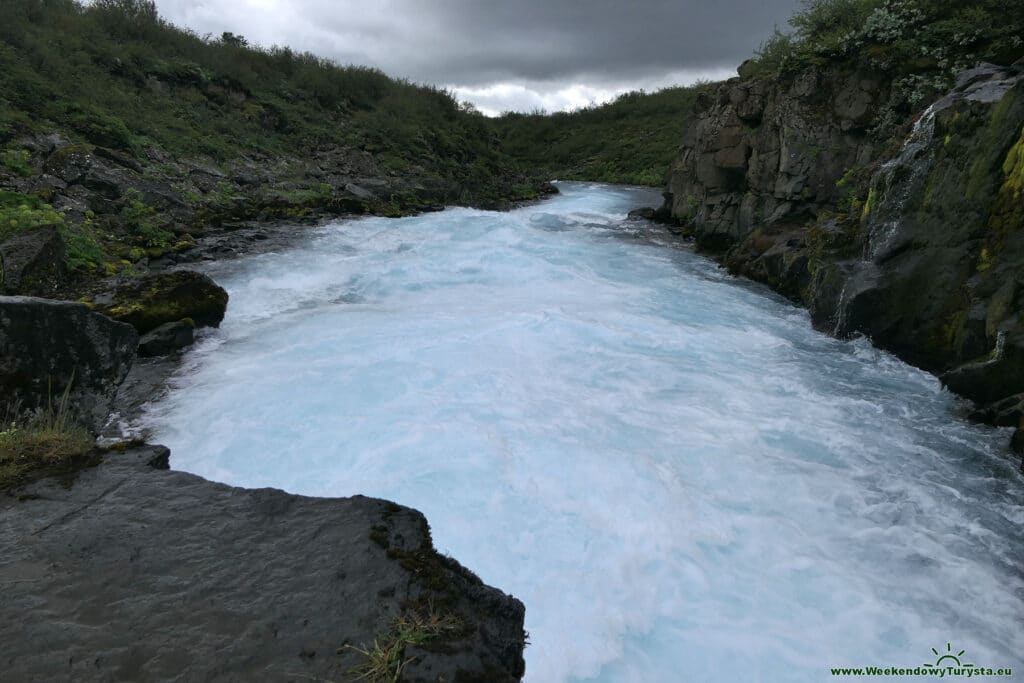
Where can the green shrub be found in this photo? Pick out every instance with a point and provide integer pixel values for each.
(82, 248)
(630, 140)
(142, 222)
(99, 127)
(17, 161)
(922, 42)
(21, 213)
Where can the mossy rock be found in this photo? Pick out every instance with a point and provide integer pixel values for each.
(153, 300)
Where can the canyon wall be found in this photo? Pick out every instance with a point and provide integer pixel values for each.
(911, 233)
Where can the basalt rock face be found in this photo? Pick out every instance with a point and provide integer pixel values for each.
(760, 154)
(916, 241)
(45, 346)
(135, 573)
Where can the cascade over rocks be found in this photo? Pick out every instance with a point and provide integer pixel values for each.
(927, 261)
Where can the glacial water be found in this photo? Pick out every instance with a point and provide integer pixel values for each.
(680, 479)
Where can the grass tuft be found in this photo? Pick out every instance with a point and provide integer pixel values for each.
(49, 440)
(385, 660)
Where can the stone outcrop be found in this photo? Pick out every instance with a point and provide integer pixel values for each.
(33, 264)
(156, 299)
(142, 574)
(47, 346)
(760, 153)
(916, 241)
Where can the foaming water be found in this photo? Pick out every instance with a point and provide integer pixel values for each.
(680, 479)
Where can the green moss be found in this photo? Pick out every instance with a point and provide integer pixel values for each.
(168, 297)
(62, 155)
(869, 205)
(984, 260)
(1013, 169)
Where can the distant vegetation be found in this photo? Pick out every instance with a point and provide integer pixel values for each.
(114, 74)
(630, 140)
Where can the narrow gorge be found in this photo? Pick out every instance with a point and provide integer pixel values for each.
(721, 382)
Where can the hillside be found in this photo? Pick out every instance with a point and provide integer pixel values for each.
(630, 140)
(134, 136)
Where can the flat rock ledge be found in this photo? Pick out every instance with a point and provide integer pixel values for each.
(133, 572)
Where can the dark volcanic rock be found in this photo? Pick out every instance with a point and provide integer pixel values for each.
(916, 242)
(144, 575)
(646, 213)
(158, 298)
(46, 345)
(167, 338)
(32, 264)
(1004, 413)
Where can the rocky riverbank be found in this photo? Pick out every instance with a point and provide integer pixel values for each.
(127, 571)
(909, 235)
(118, 569)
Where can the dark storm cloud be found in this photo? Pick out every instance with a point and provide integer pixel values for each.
(541, 40)
(543, 46)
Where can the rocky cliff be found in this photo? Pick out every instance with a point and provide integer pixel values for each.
(911, 235)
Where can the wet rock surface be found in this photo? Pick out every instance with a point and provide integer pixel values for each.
(138, 573)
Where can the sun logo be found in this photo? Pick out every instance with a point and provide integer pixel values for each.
(948, 658)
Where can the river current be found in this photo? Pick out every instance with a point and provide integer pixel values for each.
(679, 477)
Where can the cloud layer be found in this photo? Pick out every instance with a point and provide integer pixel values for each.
(520, 55)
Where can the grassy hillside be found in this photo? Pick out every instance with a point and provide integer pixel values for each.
(132, 136)
(115, 74)
(630, 140)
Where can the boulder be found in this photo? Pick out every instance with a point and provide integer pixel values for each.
(47, 346)
(1017, 444)
(1007, 412)
(646, 213)
(153, 300)
(167, 338)
(32, 264)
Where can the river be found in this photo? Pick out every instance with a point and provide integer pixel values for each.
(679, 477)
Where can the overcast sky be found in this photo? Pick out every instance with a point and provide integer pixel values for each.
(509, 54)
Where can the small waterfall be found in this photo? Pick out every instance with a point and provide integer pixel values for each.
(894, 183)
(840, 326)
(999, 350)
